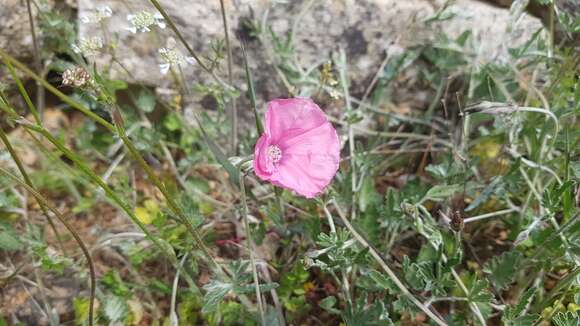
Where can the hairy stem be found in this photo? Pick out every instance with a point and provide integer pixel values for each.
(234, 112)
(250, 244)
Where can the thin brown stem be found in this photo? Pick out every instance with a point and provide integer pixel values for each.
(234, 112)
(37, 61)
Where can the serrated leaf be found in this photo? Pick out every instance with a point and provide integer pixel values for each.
(566, 319)
(441, 192)
(525, 320)
(363, 314)
(216, 291)
(511, 315)
(115, 308)
(502, 269)
(479, 292)
(384, 282)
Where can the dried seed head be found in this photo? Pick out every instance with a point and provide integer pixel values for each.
(76, 77)
(456, 222)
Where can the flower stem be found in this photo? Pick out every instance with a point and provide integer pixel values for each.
(351, 149)
(250, 244)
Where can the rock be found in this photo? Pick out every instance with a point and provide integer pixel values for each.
(15, 36)
(365, 29)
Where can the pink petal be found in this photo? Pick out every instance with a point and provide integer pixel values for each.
(309, 160)
(262, 165)
(292, 117)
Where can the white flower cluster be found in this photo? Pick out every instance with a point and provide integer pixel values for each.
(143, 20)
(171, 57)
(97, 15)
(88, 46)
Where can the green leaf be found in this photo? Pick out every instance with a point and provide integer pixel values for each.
(216, 291)
(251, 288)
(113, 282)
(328, 304)
(146, 100)
(478, 292)
(384, 282)
(502, 269)
(566, 319)
(485, 194)
(81, 308)
(190, 209)
(9, 239)
(524, 320)
(363, 314)
(115, 308)
(441, 192)
(511, 316)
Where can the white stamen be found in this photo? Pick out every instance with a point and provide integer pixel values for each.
(274, 153)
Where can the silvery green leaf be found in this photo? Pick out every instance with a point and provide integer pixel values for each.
(216, 291)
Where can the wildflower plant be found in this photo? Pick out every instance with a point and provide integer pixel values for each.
(334, 209)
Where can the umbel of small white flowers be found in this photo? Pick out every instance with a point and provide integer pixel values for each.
(88, 46)
(143, 20)
(171, 57)
(97, 15)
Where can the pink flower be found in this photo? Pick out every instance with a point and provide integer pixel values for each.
(299, 149)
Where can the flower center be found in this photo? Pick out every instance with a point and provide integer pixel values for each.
(274, 153)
